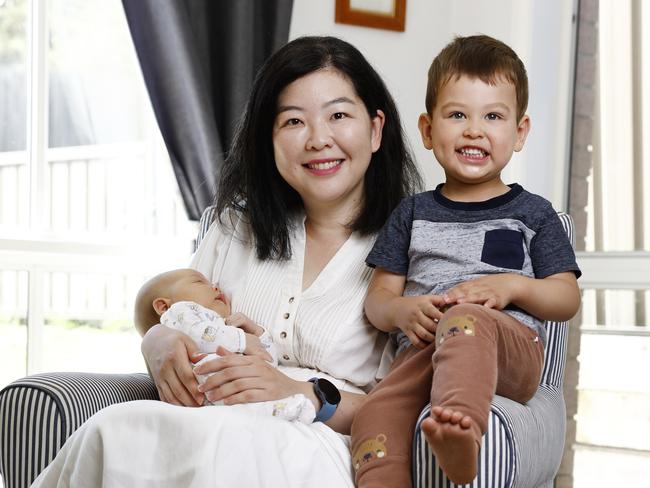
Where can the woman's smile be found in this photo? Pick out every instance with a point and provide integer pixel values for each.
(324, 166)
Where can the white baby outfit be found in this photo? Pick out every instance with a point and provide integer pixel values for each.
(209, 330)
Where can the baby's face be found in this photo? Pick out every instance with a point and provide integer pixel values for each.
(190, 285)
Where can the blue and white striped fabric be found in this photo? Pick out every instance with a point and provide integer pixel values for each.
(524, 443)
(39, 412)
(204, 224)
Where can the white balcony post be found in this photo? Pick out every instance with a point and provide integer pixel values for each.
(35, 322)
(37, 130)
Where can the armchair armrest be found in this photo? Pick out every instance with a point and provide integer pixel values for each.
(39, 412)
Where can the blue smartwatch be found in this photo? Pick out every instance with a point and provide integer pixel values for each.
(329, 396)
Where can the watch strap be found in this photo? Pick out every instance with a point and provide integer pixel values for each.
(327, 409)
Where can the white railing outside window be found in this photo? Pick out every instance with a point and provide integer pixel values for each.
(89, 206)
(615, 341)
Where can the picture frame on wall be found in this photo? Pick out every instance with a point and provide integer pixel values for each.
(379, 14)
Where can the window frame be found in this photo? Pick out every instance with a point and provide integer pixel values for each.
(37, 250)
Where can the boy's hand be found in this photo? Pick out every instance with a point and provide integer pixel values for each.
(493, 291)
(417, 317)
(244, 323)
(255, 348)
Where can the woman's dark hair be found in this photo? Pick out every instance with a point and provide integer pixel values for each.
(250, 182)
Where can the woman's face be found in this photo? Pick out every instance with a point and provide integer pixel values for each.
(323, 140)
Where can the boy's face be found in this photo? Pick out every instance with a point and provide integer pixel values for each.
(190, 285)
(473, 131)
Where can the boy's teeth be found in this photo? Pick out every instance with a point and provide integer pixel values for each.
(321, 166)
(473, 152)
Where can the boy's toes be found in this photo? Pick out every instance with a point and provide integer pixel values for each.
(431, 429)
(436, 411)
(456, 417)
(446, 415)
(466, 422)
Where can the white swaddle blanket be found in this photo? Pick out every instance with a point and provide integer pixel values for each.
(154, 444)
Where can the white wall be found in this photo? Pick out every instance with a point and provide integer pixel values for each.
(541, 32)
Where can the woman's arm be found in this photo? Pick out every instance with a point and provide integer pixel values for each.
(168, 354)
(341, 421)
(245, 379)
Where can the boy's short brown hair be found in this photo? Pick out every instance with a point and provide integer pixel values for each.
(480, 57)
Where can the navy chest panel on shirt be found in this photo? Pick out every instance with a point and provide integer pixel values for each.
(504, 248)
(443, 254)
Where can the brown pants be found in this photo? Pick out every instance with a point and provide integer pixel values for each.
(478, 352)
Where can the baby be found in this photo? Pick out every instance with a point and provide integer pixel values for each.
(185, 300)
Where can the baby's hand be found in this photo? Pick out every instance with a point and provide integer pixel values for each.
(244, 323)
(254, 347)
(417, 317)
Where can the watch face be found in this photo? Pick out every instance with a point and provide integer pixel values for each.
(331, 392)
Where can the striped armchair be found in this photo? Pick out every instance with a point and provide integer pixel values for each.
(522, 448)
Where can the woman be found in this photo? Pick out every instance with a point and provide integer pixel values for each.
(317, 166)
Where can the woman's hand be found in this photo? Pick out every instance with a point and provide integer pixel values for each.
(245, 379)
(167, 353)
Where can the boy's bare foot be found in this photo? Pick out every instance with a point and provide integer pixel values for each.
(450, 435)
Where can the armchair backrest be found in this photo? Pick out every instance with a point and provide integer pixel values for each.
(204, 224)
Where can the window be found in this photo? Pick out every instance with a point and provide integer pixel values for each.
(609, 197)
(89, 206)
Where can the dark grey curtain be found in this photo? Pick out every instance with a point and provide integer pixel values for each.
(199, 58)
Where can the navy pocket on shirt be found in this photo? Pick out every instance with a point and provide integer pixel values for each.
(504, 248)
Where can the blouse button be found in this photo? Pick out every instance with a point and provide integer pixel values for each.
(283, 335)
(285, 357)
(291, 300)
(286, 315)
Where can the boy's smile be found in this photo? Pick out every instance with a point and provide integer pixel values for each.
(473, 131)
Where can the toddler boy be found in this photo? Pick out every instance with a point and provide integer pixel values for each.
(466, 274)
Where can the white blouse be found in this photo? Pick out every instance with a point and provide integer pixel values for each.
(319, 330)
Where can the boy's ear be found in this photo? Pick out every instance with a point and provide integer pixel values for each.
(424, 124)
(161, 305)
(522, 132)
